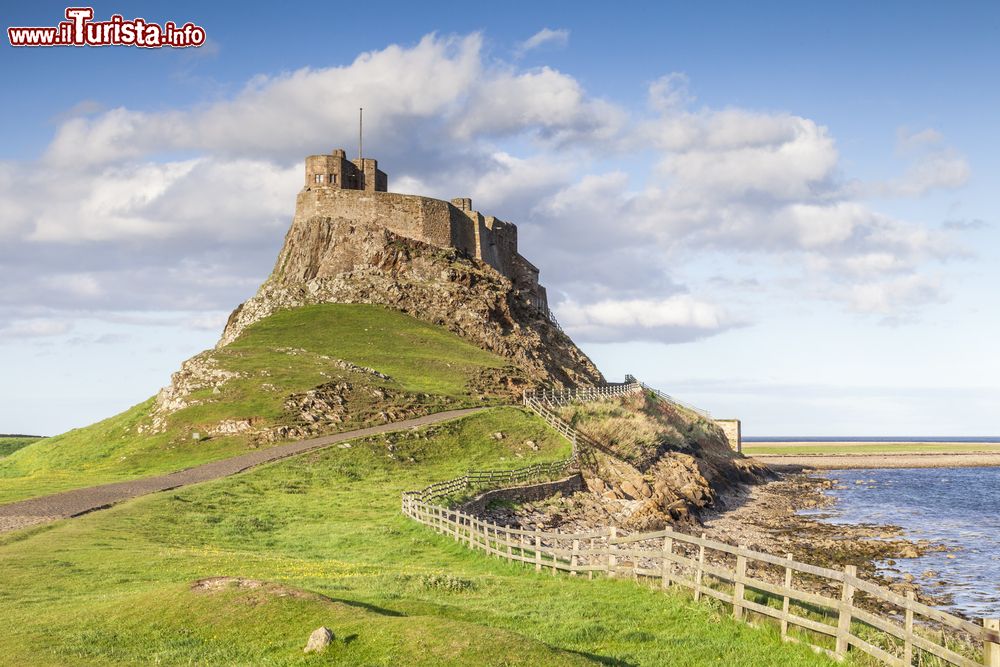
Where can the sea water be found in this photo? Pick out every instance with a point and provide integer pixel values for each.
(957, 507)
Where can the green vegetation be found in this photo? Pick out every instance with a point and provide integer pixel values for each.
(11, 443)
(637, 426)
(290, 352)
(763, 449)
(116, 587)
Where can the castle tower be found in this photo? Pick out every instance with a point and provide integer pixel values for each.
(336, 171)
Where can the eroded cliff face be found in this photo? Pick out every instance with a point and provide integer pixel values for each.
(338, 260)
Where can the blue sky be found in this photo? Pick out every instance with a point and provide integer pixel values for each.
(783, 212)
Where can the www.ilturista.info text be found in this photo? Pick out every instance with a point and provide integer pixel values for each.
(79, 29)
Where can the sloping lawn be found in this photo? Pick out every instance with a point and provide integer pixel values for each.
(116, 587)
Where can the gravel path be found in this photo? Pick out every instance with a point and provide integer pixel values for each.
(24, 513)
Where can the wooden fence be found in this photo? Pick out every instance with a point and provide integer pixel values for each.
(564, 396)
(832, 610)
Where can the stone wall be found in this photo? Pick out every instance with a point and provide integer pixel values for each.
(732, 428)
(337, 172)
(426, 219)
(525, 494)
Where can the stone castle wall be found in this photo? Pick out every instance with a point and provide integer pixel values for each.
(432, 221)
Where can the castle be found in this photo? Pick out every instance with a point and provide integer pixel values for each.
(336, 187)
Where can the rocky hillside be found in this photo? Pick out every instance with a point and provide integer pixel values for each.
(326, 260)
(649, 463)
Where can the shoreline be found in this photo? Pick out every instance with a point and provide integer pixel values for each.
(796, 462)
(769, 517)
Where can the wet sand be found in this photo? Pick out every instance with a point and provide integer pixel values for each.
(985, 459)
(887, 444)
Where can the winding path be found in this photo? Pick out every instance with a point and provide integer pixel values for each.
(67, 504)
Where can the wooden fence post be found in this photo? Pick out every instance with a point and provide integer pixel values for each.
(508, 538)
(538, 550)
(701, 567)
(846, 611)
(738, 585)
(555, 557)
(785, 602)
(667, 565)
(574, 559)
(908, 631)
(612, 558)
(991, 650)
(590, 560)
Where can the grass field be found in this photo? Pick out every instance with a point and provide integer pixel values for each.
(115, 587)
(10, 444)
(807, 448)
(429, 369)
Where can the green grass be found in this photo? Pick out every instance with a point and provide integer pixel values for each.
(114, 587)
(10, 444)
(751, 449)
(429, 367)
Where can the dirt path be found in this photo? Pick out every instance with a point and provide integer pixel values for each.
(912, 460)
(24, 513)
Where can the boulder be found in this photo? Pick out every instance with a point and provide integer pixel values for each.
(319, 639)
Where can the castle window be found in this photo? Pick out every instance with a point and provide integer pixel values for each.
(333, 179)
(318, 178)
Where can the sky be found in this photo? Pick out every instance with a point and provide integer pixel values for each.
(781, 212)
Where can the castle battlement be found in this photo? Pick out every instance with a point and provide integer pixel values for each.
(336, 171)
(336, 187)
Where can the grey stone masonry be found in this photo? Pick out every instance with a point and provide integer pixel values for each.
(336, 187)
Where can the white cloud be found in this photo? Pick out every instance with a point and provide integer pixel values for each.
(552, 104)
(289, 115)
(895, 295)
(669, 92)
(558, 37)
(75, 284)
(677, 318)
(35, 328)
(209, 322)
(218, 199)
(734, 153)
(933, 166)
(122, 223)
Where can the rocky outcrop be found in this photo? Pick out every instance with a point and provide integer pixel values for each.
(199, 372)
(646, 464)
(327, 260)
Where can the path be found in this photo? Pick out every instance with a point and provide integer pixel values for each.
(66, 504)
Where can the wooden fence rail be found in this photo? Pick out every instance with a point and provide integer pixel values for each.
(830, 614)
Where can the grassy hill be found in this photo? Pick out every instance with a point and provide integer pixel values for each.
(324, 529)
(241, 570)
(11, 443)
(293, 351)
